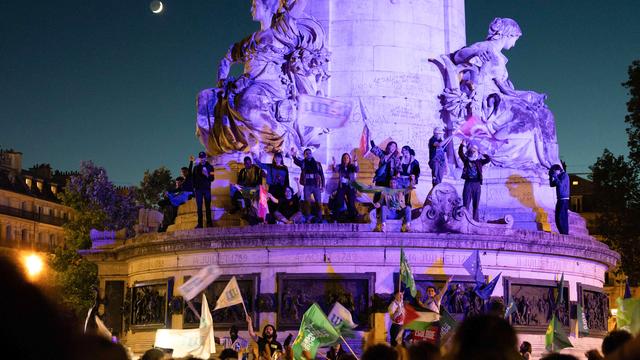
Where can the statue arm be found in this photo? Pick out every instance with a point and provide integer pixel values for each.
(225, 64)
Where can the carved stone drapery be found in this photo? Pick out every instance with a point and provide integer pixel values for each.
(296, 292)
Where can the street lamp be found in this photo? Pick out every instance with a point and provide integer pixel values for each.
(34, 265)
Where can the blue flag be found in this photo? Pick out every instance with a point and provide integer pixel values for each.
(511, 308)
(474, 268)
(627, 290)
(485, 291)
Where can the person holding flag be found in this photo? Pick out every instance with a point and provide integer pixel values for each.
(397, 313)
(437, 156)
(267, 343)
(433, 300)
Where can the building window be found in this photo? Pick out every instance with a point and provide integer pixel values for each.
(52, 241)
(8, 230)
(28, 182)
(25, 235)
(40, 185)
(576, 203)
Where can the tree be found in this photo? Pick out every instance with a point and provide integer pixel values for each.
(152, 186)
(633, 107)
(99, 205)
(617, 188)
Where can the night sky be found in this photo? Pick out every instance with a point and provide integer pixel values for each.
(111, 82)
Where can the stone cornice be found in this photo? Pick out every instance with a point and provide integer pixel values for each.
(350, 235)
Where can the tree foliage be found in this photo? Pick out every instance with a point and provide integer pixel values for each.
(152, 186)
(633, 107)
(617, 188)
(99, 205)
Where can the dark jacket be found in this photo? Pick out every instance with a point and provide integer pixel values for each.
(202, 181)
(346, 174)
(187, 185)
(250, 177)
(413, 168)
(477, 164)
(311, 173)
(388, 167)
(561, 183)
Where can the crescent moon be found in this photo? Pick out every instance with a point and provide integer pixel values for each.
(156, 7)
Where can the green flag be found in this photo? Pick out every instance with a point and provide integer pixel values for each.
(315, 331)
(406, 276)
(560, 289)
(447, 324)
(628, 317)
(555, 339)
(583, 328)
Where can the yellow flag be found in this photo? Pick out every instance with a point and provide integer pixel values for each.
(230, 295)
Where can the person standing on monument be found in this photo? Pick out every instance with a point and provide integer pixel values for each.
(472, 175)
(202, 176)
(559, 179)
(312, 178)
(397, 313)
(434, 297)
(277, 177)
(388, 166)
(409, 171)
(437, 158)
(347, 172)
(267, 343)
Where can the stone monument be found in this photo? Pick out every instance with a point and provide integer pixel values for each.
(400, 68)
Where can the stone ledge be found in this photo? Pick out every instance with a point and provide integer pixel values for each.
(351, 235)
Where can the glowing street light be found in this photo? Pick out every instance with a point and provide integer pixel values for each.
(34, 265)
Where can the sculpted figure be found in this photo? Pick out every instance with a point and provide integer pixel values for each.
(514, 127)
(257, 111)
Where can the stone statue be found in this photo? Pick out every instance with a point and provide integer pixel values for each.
(257, 111)
(514, 127)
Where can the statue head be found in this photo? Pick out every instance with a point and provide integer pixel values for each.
(263, 10)
(501, 28)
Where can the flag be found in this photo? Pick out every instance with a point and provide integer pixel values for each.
(560, 290)
(315, 331)
(365, 141)
(365, 138)
(511, 308)
(185, 342)
(230, 295)
(628, 317)
(485, 291)
(472, 125)
(555, 339)
(447, 324)
(318, 111)
(583, 328)
(627, 290)
(199, 282)
(421, 319)
(406, 276)
(474, 268)
(340, 317)
(263, 208)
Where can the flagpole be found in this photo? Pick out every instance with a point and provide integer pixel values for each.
(193, 309)
(349, 347)
(245, 308)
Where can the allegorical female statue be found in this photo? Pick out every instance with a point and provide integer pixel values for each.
(515, 127)
(257, 111)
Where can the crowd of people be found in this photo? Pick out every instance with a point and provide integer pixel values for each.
(263, 192)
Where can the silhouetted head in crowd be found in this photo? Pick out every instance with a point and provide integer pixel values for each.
(277, 159)
(525, 347)
(184, 171)
(615, 340)
(96, 347)
(380, 352)
(556, 356)
(233, 333)
(228, 354)
(424, 351)
(485, 337)
(247, 162)
(495, 308)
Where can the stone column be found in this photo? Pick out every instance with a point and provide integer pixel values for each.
(380, 51)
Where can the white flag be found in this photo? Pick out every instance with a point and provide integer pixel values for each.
(199, 282)
(341, 316)
(230, 295)
(102, 329)
(195, 342)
